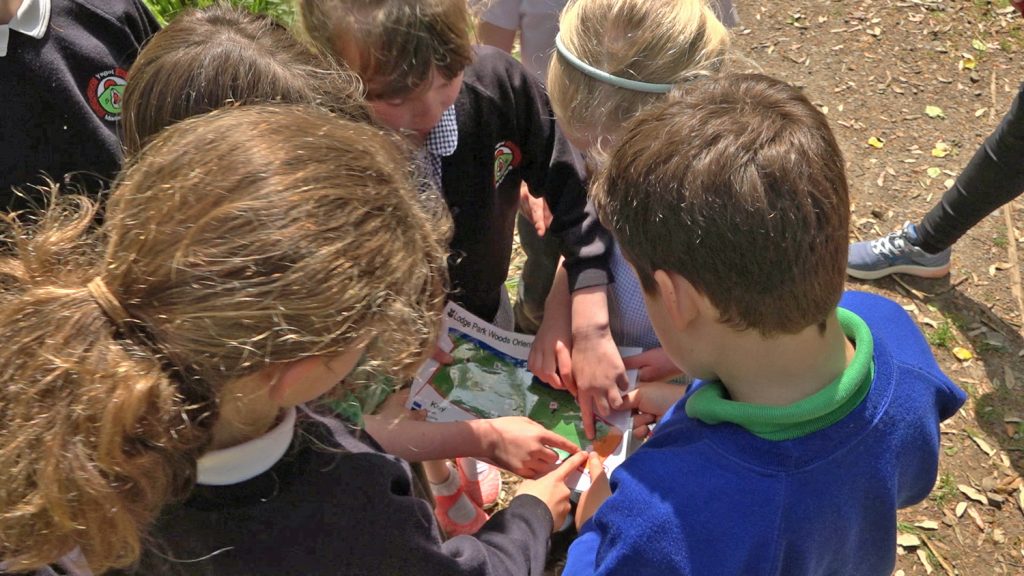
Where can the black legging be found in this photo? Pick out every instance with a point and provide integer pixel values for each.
(994, 176)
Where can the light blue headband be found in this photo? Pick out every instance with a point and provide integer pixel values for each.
(606, 77)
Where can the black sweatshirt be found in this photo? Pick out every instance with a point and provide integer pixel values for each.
(507, 134)
(61, 98)
(335, 505)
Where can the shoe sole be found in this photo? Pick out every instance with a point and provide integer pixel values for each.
(919, 271)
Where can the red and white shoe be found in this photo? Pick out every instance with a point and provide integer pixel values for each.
(480, 481)
(456, 512)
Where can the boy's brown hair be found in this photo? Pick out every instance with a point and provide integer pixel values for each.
(236, 241)
(222, 55)
(395, 44)
(736, 184)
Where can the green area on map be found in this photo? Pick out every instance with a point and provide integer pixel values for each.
(490, 384)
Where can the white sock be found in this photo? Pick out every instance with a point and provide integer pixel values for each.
(449, 486)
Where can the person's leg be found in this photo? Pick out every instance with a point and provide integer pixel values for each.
(497, 22)
(542, 254)
(455, 511)
(993, 177)
(494, 35)
(538, 28)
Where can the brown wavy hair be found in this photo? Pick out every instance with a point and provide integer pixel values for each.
(223, 55)
(236, 240)
(396, 44)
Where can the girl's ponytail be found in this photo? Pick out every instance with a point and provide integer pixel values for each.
(92, 440)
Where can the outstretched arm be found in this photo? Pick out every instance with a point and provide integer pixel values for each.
(514, 443)
(597, 368)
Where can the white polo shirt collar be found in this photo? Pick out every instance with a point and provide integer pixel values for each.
(31, 20)
(249, 459)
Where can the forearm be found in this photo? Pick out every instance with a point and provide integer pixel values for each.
(592, 499)
(419, 441)
(590, 313)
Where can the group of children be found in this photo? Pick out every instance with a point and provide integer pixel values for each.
(287, 216)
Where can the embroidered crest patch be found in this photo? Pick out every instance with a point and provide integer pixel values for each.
(106, 92)
(506, 157)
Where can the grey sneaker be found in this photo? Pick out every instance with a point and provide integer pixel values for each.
(895, 253)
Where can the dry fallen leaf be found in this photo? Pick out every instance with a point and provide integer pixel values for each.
(980, 112)
(941, 150)
(927, 525)
(977, 518)
(908, 541)
(972, 493)
(967, 62)
(998, 266)
(962, 354)
(960, 509)
(934, 112)
(998, 536)
(983, 445)
(934, 172)
(923, 557)
(979, 45)
(875, 142)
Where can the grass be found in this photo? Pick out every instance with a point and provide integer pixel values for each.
(281, 10)
(945, 490)
(907, 528)
(942, 335)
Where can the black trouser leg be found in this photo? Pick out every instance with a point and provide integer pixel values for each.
(993, 177)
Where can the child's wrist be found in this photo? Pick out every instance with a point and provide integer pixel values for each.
(485, 438)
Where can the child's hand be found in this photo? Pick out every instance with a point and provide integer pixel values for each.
(393, 407)
(551, 488)
(535, 209)
(550, 359)
(599, 374)
(523, 446)
(598, 492)
(653, 365)
(442, 352)
(650, 401)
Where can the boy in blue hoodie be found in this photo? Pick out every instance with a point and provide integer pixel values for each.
(815, 415)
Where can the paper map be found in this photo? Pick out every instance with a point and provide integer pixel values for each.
(489, 379)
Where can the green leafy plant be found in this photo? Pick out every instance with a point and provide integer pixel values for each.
(281, 10)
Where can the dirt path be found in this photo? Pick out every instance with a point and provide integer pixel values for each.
(876, 68)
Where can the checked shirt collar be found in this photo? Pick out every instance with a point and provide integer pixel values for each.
(441, 142)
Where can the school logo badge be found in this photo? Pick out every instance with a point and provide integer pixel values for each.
(106, 92)
(506, 157)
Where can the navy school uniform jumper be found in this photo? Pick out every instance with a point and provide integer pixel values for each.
(62, 93)
(507, 134)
